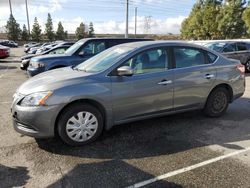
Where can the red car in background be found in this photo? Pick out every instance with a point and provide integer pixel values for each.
(4, 51)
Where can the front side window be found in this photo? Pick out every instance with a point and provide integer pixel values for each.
(94, 47)
(149, 61)
(188, 57)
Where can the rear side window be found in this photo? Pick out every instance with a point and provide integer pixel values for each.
(188, 57)
(230, 48)
(94, 47)
(211, 57)
(241, 47)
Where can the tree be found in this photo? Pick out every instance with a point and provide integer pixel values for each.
(13, 28)
(60, 33)
(91, 30)
(231, 24)
(25, 33)
(36, 31)
(80, 31)
(246, 18)
(49, 28)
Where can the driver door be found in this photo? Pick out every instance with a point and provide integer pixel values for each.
(148, 91)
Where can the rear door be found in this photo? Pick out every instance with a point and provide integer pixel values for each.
(194, 76)
(148, 91)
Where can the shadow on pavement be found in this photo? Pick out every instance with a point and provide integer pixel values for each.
(162, 136)
(7, 67)
(149, 138)
(13, 177)
(106, 174)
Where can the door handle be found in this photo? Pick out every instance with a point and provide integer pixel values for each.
(165, 82)
(209, 76)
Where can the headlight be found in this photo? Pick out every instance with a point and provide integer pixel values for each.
(36, 99)
(25, 61)
(37, 64)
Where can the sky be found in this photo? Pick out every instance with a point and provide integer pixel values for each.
(108, 16)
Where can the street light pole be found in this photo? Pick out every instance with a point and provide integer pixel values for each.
(135, 21)
(10, 7)
(127, 7)
(27, 14)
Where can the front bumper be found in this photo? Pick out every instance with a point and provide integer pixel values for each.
(31, 71)
(38, 122)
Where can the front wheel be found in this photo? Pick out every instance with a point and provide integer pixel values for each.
(80, 124)
(217, 103)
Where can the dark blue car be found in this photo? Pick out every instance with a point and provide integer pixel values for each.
(76, 54)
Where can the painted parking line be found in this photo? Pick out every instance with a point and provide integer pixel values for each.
(189, 168)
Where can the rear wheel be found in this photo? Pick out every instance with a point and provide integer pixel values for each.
(80, 124)
(217, 102)
(247, 66)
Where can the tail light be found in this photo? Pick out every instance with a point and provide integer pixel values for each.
(241, 68)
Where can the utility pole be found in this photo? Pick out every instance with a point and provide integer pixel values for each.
(135, 20)
(10, 7)
(126, 32)
(27, 14)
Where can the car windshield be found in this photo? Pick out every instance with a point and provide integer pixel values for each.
(71, 50)
(218, 47)
(104, 60)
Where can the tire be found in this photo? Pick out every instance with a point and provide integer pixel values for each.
(247, 66)
(217, 102)
(73, 127)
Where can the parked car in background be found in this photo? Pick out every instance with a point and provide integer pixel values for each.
(29, 44)
(34, 49)
(9, 43)
(47, 47)
(234, 50)
(76, 54)
(58, 49)
(125, 83)
(27, 48)
(4, 51)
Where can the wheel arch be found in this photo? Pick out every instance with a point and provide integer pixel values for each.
(226, 86)
(92, 102)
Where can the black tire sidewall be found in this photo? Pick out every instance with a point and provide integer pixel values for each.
(208, 110)
(248, 62)
(68, 113)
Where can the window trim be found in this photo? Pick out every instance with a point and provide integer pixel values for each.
(166, 48)
(205, 53)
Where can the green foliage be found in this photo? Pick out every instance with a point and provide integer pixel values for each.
(246, 18)
(49, 28)
(25, 33)
(215, 19)
(13, 29)
(60, 33)
(91, 30)
(81, 31)
(231, 24)
(36, 31)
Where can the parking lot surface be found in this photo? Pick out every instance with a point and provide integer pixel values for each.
(130, 153)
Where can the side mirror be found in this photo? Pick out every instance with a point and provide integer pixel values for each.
(125, 71)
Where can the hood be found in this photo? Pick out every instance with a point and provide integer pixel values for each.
(50, 57)
(52, 80)
(28, 56)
